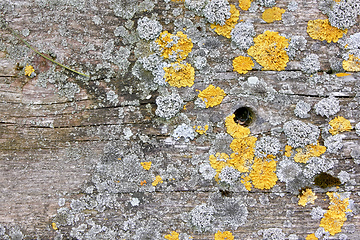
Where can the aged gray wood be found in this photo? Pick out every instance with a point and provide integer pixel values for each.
(60, 143)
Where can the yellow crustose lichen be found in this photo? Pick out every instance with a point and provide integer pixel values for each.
(269, 51)
(307, 196)
(212, 96)
(225, 30)
(242, 64)
(172, 236)
(224, 235)
(352, 64)
(245, 4)
(157, 180)
(29, 70)
(263, 174)
(201, 130)
(339, 124)
(303, 155)
(146, 165)
(322, 30)
(180, 75)
(178, 45)
(272, 14)
(335, 216)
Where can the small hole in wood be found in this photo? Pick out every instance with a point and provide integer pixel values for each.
(244, 116)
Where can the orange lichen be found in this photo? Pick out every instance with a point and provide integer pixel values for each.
(242, 64)
(335, 216)
(263, 174)
(142, 183)
(307, 196)
(343, 74)
(322, 30)
(339, 124)
(146, 165)
(303, 155)
(269, 51)
(352, 64)
(225, 30)
(212, 96)
(157, 180)
(178, 45)
(172, 236)
(311, 237)
(224, 235)
(234, 129)
(272, 14)
(29, 70)
(245, 4)
(180, 75)
(200, 129)
(288, 151)
(53, 225)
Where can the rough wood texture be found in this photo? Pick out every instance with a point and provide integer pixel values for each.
(71, 147)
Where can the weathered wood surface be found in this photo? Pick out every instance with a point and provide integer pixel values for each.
(77, 143)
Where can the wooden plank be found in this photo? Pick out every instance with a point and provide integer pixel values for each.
(71, 147)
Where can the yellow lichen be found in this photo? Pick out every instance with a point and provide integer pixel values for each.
(352, 64)
(344, 74)
(29, 70)
(54, 226)
(311, 237)
(234, 129)
(288, 151)
(246, 181)
(224, 235)
(219, 161)
(157, 180)
(335, 216)
(303, 155)
(263, 174)
(200, 129)
(180, 75)
(242, 64)
(322, 30)
(225, 30)
(146, 165)
(272, 14)
(307, 196)
(245, 4)
(339, 124)
(212, 96)
(172, 236)
(178, 45)
(269, 51)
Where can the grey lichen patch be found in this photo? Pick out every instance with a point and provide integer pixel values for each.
(344, 14)
(292, 6)
(300, 134)
(217, 11)
(127, 8)
(229, 175)
(287, 170)
(310, 64)
(317, 165)
(327, 107)
(266, 3)
(148, 29)
(184, 131)
(296, 45)
(168, 105)
(196, 6)
(272, 234)
(202, 218)
(242, 35)
(206, 171)
(334, 143)
(302, 109)
(267, 145)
